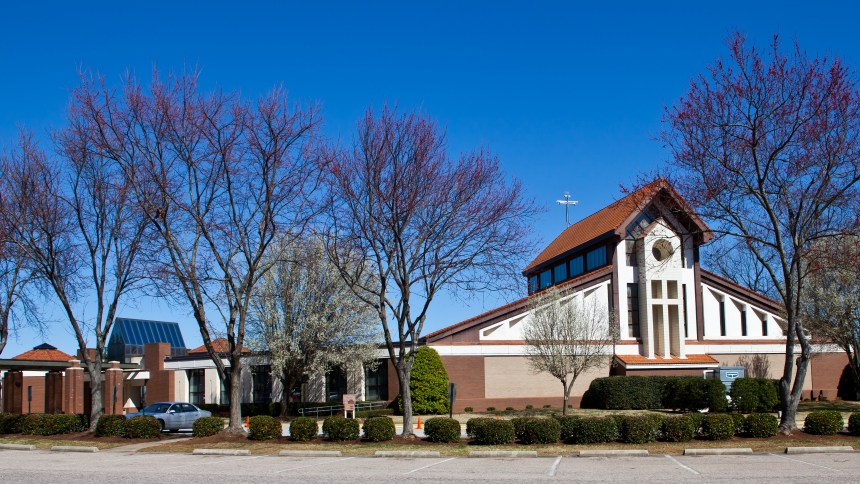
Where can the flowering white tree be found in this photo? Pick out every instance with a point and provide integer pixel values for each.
(308, 319)
(567, 337)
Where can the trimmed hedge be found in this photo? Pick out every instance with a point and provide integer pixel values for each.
(51, 424)
(718, 427)
(10, 423)
(339, 429)
(853, 423)
(495, 432)
(110, 426)
(566, 423)
(379, 429)
(540, 431)
(473, 424)
(638, 429)
(591, 430)
(264, 427)
(761, 425)
(141, 427)
(697, 418)
(207, 426)
(442, 429)
(679, 429)
(824, 422)
(739, 420)
(303, 429)
(653, 392)
(755, 394)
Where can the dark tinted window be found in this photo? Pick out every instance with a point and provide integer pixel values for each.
(596, 258)
(560, 273)
(545, 279)
(576, 267)
(157, 408)
(633, 310)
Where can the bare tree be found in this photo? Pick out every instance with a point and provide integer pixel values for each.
(219, 178)
(77, 224)
(567, 336)
(766, 147)
(755, 366)
(420, 222)
(308, 320)
(831, 306)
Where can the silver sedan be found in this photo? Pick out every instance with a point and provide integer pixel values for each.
(172, 416)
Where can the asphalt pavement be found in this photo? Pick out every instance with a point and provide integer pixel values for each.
(45, 467)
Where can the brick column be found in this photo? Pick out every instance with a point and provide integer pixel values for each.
(73, 393)
(54, 392)
(13, 392)
(113, 380)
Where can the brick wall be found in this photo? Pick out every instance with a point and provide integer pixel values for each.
(468, 373)
(37, 405)
(161, 385)
(825, 371)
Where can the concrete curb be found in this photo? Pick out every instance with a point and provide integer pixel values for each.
(17, 447)
(503, 453)
(398, 453)
(836, 449)
(221, 452)
(614, 453)
(310, 453)
(727, 451)
(73, 448)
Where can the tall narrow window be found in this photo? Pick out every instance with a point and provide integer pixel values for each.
(632, 259)
(576, 267)
(595, 258)
(722, 317)
(545, 279)
(633, 310)
(533, 284)
(743, 322)
(559, 273)
(261, 378)
(764, 325)
(376, 382)
(196, 387)
(225, 392)
(684, 295)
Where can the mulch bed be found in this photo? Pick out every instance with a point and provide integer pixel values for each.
(89, 437)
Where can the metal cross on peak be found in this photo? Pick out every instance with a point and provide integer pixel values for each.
(567, 202)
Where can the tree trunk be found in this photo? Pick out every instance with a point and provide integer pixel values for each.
(97, 403)
(791, 391)
(235, 397)
(403, 375)
(566, 397)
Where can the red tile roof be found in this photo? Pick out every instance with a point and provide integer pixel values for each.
(673, 360)
(44, 353)
(221, 345)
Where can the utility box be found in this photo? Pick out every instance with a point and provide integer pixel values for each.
(728, 374)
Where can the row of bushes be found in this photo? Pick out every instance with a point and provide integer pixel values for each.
(680, 393)
(42, 423)
(140, 427)
(272, 409)
(338, 429)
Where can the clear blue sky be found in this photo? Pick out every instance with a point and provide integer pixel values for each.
(567, 95)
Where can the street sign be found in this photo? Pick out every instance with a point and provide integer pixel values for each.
(349, 404)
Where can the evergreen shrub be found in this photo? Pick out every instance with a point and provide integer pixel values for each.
(51, 424)
(468, 409)
(207, 426)
(718, 427)
(10, 423)
(540, 431)
(566, 424)
(110, 426)
(754, 395)
(339, 429)
(141, 427)
(824, 422)
(761, 425)
(473, 424)
(495, 432)
(264, 427)
(442, 429)
(853, 424)
(638, 429)
(591, 430)
(428, 384)
(303, 429)
(379, 429)
(679, 429)
(739, 420)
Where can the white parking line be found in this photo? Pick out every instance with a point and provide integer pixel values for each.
(682, 465)
(804, 462)
(317, 464)
(431, 465)
(554, 466)
(215, 461)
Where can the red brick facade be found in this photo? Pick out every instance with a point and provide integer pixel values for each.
(161, 386)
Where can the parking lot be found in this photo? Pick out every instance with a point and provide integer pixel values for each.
(52, 467)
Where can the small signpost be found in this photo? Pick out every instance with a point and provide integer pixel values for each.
(452, 396)
(349, 404)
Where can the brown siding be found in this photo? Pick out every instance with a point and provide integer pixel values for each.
(468, 373)
(825, 371)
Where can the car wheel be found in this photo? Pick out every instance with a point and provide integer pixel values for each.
(161, 425)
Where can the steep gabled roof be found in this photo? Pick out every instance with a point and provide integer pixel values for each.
(614, 219)
(44, 352)
(220, 345)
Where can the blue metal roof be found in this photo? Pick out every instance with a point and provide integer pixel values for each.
(141, 332)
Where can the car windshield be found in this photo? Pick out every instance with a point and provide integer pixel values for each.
(157, 408)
